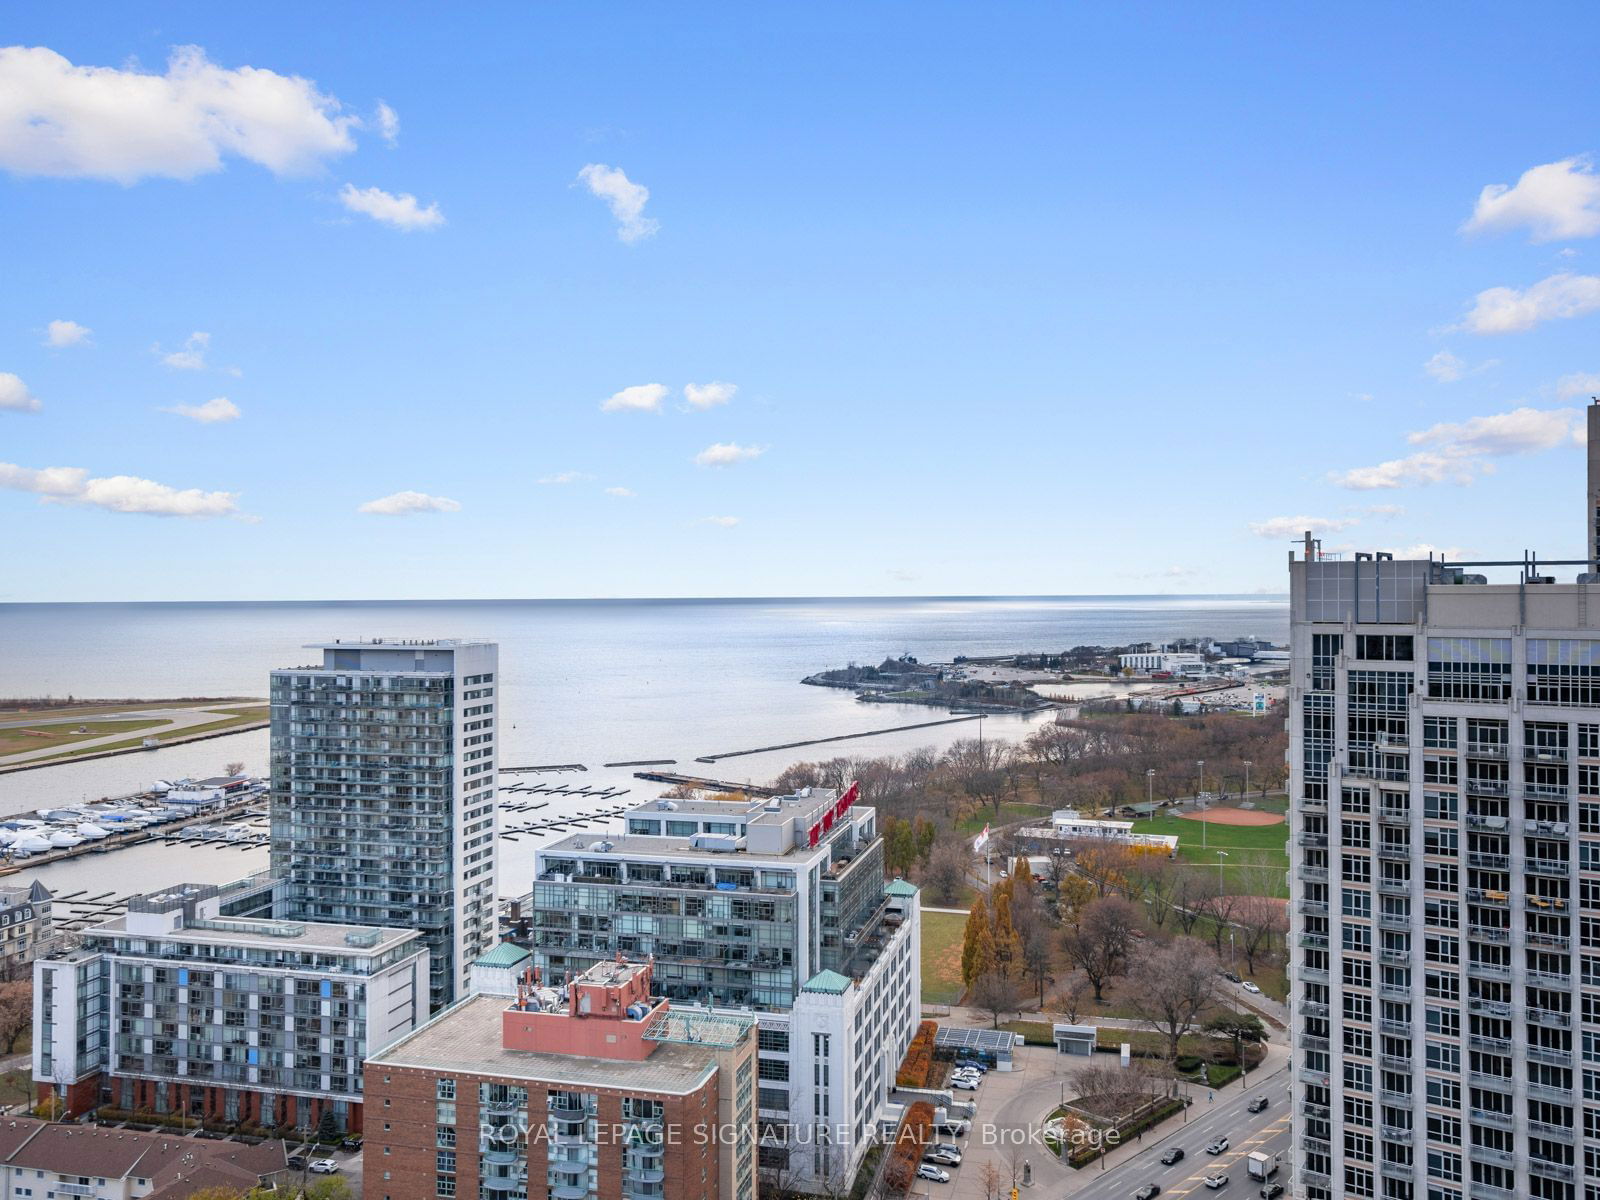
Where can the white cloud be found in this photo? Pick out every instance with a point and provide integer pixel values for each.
(1556, 200)
(1520, 431)
(642, 397)
(725, 454)
(388, 123)
(66, 333)
(622, 492)
(1423, 549)
(561, 477)
(1421, 468)
(1458, 451)
(401, 504)
(1292, 527)
(625, 198)
(1579, 383)
(702, 396)
(1507, 310)
(1445, 367)
(117, 493)
(398, 212)
(1387, 511)
(50, 481)
(193, 355)
(725, 522)
(15, 396)
(218, 409)
(125, 124)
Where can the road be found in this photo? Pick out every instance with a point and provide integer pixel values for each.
(1267, 1132)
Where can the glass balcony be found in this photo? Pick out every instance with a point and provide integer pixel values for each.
(1494, 1120)
(1487, 1154)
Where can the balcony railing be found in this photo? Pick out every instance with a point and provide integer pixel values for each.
(1486, 750)
(1489, 1154)
(1488, 787)
(1489, 1008)
(1488, 933)
(1547, 866)
(1495, 1120)
(1549, 1018)
(1489, 862)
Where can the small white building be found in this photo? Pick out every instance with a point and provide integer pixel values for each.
(1176, 662)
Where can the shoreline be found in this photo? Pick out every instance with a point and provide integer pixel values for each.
(91, 755)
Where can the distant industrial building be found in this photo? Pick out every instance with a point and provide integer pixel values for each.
(1172, 661)
(184, 1006)
(383, 794)
(597, 1090)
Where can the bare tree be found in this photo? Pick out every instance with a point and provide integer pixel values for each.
(1256, 920)
(1071, 997)
(1170, 985)
(232, 769)
(992, 1180)
(1038, 956)
(1097, 942)
(16, 1012)
(995, 993)
(1219, 908)
(1192, 889)
(948, 863)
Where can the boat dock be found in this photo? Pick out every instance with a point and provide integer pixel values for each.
(135, 837)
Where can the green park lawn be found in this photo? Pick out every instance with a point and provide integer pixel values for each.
(1257, 858)
(941, 957)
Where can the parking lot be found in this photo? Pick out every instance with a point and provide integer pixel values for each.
(1008, 1133)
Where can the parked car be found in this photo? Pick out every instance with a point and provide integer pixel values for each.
(1258, 1104)
(937, 1174)
(946, 1147)
(1272, 1191)
(944, 1158)
(952, 1128)
(1230, 977)
(1148, 1192)
(1217, 1179)
(351, 1143)
(1218, 1146)
(1250, 986)
(1172, 1155)
(298, 1162)
(323, 1166)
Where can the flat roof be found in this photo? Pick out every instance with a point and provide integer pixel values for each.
(313, 935)
(467, 1039)
(645, 845)
(396, 644)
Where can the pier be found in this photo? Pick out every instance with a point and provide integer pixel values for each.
(705, 785)
(548, 767)
(843, 737)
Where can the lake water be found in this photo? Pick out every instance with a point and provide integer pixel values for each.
(580, 682)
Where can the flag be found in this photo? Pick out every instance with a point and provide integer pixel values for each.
(981, 841)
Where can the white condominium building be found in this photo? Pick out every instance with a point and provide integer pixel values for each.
(1445, 914)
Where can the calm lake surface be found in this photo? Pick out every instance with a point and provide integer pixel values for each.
(581, 682)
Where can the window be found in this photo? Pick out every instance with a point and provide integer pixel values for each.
(1564, 671)
(1385, 647)
(1469, 668)
(1439, 733)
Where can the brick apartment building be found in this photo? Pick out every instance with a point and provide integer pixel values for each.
(594, 1091)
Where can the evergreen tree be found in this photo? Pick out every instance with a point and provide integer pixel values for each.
(977, 946)
(1007, 946)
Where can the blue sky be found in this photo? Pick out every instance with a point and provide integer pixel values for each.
(1014, 298)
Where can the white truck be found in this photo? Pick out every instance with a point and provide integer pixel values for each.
(1261, 1166)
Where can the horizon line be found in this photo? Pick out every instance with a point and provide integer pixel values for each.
(752, 599)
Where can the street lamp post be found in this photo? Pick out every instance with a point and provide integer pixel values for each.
(1247, 765)
(1221, 883)
(1150, 792)
(1200, 786)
